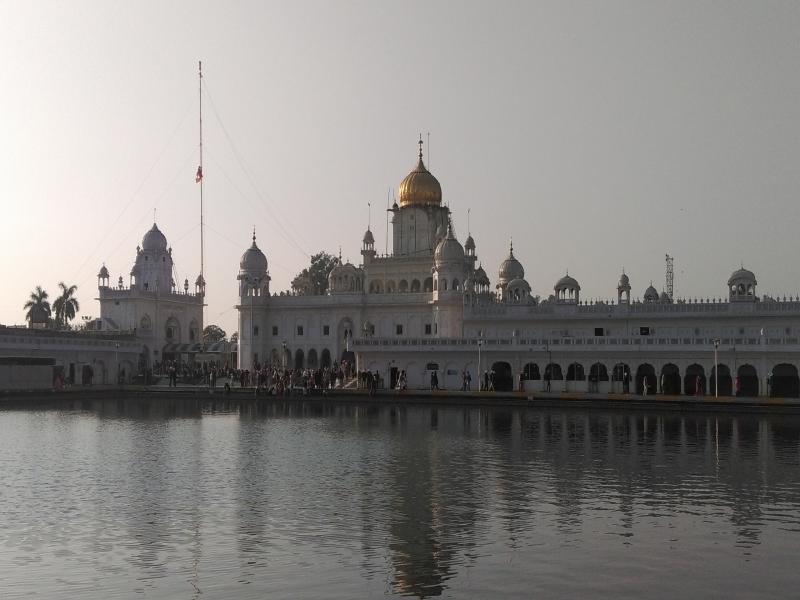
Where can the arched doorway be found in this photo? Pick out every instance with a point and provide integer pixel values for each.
(531, 372)
(299, 359)
(597, 373)
(622, 374)
(670, 380)
(645, 373)
(325, 358)
(694, 380)
(503, 377)
(575, 372)
(783, 381)
(312, 359)
(553, 372)
(722, 374)
(748, 381)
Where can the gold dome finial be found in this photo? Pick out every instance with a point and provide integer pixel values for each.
(420, 187)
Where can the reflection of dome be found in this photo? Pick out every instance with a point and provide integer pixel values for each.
(420, 188)
(449, 249)
(511, 268)
(651, 294)
(742, 276)
(103, 274)
(368, 237)
(154, 240)
(253, 260)
(567, 283)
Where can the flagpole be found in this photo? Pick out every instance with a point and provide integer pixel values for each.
(200, 168)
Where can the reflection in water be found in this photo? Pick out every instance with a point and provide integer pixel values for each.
(194, 498)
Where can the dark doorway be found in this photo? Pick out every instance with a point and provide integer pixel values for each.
(503, 378)
(325, 359)
(646, 374)
(723, 376)
(694, 381)
(575, 372)
(393, 373)
(531, 372)
(299, 359)
(553, 372)
(748, 381)
(784, 382)
(622, 373)
(670, 380)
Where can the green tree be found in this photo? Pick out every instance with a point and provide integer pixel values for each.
(38, 306)
(213, 334)
(66, 305)
(316, 274)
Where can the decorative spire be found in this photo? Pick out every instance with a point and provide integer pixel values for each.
(254, 235)
(420, 146)
(511, 249)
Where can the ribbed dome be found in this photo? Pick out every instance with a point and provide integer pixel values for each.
(368, 237)
(518, 284)
(449, 249)
(253, 260)
(567, 283)
(154, 240)
(103, 274)
(201, 280)
(742, 276)
(511, 268)
(420, 188)
(651, 294)
(624, 282)
(469, 244)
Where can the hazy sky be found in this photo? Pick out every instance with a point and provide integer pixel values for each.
(597, 134)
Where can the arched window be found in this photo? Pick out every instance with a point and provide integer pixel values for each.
(146, 324)
(415, 286)
(456, 285)
(403, 288)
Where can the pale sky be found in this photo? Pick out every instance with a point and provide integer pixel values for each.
(597, 134)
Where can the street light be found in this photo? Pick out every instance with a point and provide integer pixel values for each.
(716, 369)
(480, 343)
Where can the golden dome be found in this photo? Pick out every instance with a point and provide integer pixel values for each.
(420, 188)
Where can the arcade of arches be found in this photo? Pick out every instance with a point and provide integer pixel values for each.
(782, 381)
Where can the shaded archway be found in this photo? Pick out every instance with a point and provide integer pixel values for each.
(325, 358)
(415, 286)
(783, 381)
(694, 380)
(553, 372)
(312, 359)
(428, 285)
(575, 372)
(670, 379)
(748, 381)
(403, 287)
(299, 359)
(503, 377)
(622, 374)
(598, 372)
(645, 373)
(531, 372)
(725, 381)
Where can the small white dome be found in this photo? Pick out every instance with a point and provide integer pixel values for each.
(469, 244)
(103, 274)
(154, 240)
(368, 237)
(518, 284)
(651, 294)
(449, 249)
(481, 276)
(253, 260)
(742, 276)
(511, 268)
(567, 283)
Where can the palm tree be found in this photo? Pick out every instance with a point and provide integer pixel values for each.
(66, 305)
(38, 306)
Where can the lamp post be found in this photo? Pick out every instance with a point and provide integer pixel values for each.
(716, 370)
(548, 370)
(480, 343)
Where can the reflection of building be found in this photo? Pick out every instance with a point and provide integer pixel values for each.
(152, 307)
(429, 305)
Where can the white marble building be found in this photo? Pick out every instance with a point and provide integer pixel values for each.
(168, 321)
(429, 305)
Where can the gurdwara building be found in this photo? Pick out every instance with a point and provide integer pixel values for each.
(430, 306)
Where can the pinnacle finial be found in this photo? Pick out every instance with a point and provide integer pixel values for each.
(254, 234)
(420, 146)
(511, 248)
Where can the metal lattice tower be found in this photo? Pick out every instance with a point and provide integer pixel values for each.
(670, 276)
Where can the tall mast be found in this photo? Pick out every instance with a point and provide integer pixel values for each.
(200, 168)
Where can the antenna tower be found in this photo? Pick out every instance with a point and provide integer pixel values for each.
(670, 276)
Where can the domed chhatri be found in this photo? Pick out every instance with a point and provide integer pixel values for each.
(567, 283)
(420, 187)
(368, 237)
(651, 294)
(154, 240)
(449, 249)
(510, 268)
(742, 285)
(253, 260)
(469, 244)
